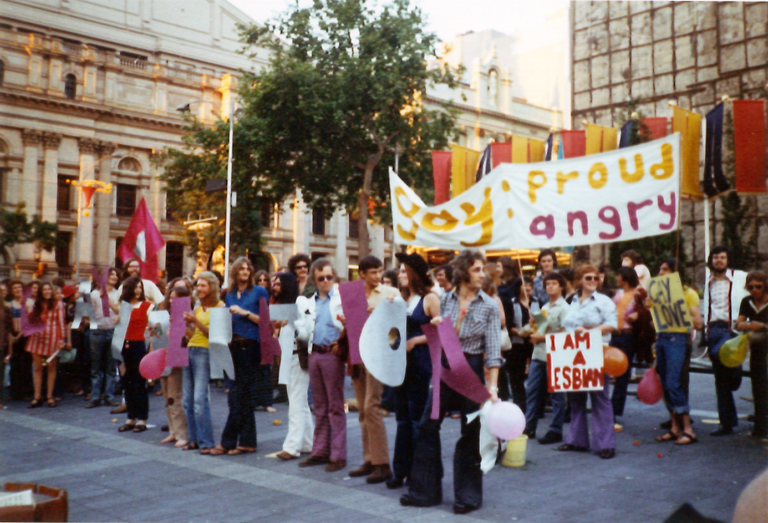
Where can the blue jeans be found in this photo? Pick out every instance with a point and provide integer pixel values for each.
(196, 404)
(534, 388)
(727, 379)
(670, 364)
(102, 364)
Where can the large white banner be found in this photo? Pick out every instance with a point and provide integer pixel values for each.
(615, 196)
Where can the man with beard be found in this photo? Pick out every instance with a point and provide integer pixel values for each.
(723, 293)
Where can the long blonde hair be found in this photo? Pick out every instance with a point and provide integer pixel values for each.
(213, 281)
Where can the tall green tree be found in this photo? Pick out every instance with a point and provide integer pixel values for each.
(17, 228)
(343, 93)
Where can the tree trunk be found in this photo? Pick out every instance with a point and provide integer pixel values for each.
(363, 247)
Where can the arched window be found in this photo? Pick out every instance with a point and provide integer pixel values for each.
(129, 164)
(70, 84)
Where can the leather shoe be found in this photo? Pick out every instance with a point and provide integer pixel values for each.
(110, 403)
(722, 431)
(551, 437)
(92, 404)
(285, 456)
(335, 464)
(407, 501)
(380, 474)
(395, 482)
(119, 410)
(530, 433)
(607, 453)
(364, 470)
(314, 460)
(463, 509)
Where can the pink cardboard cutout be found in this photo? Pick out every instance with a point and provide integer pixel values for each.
(460, 377)
(355, 307)
(28, 328)
(270, 347)
(177, 356)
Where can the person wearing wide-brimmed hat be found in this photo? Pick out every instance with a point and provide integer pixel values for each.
(423, 304)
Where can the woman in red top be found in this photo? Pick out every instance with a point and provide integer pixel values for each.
(42, 345)
(134, 349)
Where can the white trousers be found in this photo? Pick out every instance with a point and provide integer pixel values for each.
(301, 425)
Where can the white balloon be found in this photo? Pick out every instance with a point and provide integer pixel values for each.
(385, 362)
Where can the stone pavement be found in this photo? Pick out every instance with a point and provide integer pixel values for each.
(113, 476)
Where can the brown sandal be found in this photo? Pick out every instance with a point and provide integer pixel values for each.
(190, 446)
(691, 439)
(668, 436)
(218, 450)
(240, 450)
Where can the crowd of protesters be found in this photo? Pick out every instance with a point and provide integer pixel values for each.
(492, 305)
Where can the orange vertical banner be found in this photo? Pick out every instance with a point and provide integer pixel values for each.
(574, 143)
(657, 126)
(501, 152)
(441, 173)
(688, 124)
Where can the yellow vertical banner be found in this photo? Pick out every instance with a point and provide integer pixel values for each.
(601, 139)
(463, 168)
(527, 150)
(688, 124)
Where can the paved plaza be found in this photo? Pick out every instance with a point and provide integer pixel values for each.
(113, 476)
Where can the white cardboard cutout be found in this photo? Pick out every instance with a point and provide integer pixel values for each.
(385, 363)
(219, 336)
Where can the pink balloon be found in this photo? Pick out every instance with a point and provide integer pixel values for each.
(506, 420)
(649, 389)
(153, 364)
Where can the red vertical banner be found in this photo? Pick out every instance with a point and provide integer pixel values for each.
(501, 152)
(749, 143)
(574, 143)
(441, 172)
(657, 126)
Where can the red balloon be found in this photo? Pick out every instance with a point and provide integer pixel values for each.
(649, 389)
(615, 362)
(153, 364)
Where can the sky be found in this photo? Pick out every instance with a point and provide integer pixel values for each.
(447, 18)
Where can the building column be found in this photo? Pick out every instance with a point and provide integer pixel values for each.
(342, 262)
(102, 207)
(85, 231)
(300, 225)
(156, 200)
(29, 190)
(51, 144)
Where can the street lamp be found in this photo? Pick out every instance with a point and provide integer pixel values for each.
(90, 187)
(184, 108)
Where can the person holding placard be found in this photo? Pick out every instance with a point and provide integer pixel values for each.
(753, 319)
(103, 375)
(536, 386)
(197, 374)
(49, 311)
(415, 286)
(591, 310)
(319, 326)
(239, 435)
(629, 300)
(134, 349)
(672, 360)
(476, 319)
(300, 422)
(547, 264)
(524, 305)
(723, 293)
(368, 389)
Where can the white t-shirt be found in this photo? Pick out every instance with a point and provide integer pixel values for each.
(99, 321)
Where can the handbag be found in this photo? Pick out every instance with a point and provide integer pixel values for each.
(67, 356)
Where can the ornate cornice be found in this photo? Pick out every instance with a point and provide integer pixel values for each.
(51, 140)
(107, 148)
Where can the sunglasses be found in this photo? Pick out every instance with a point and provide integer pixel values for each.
(591, 278)
(754, 287)
(301, 267)
(321, 279)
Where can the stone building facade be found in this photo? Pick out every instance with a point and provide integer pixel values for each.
(89, 90)
(689, 53)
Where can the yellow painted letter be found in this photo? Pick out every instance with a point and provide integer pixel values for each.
(663, 170)
(533, 184)
(639, 169)
(562, 178)
(602, 170)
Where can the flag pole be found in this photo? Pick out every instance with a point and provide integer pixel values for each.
(229, 186)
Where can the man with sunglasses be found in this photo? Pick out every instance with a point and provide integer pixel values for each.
(319, 326)
(298, 265)
(723, 293)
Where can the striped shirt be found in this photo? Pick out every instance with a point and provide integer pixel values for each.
(47, 342)
(479, 333)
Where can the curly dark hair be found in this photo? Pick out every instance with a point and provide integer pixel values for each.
(295, 259)
(462, 263)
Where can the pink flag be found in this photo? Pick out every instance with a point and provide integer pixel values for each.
(355, 307)
(142, 242)
(178, 356)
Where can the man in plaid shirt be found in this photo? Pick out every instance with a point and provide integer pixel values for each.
(476, 318)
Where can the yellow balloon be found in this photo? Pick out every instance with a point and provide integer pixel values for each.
(734, 351)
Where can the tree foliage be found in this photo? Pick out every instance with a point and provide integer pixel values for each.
(343, 93)
(17, 228)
